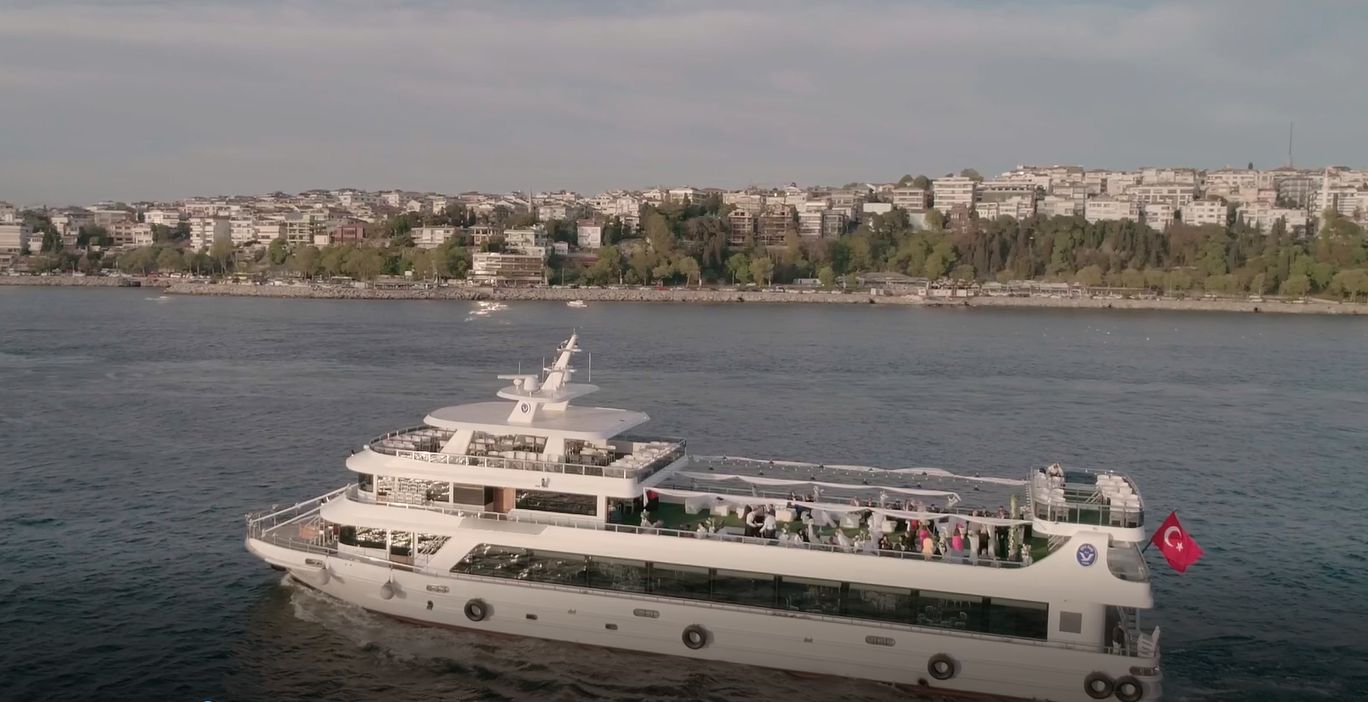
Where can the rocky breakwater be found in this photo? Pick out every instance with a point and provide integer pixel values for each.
(82, 281)
(1199, 305)
(691, 295)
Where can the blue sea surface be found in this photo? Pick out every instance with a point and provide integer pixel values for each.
(138, 432)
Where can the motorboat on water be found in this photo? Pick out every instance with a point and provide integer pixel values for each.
(535, 516)
(577, 304)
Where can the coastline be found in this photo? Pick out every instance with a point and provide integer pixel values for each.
(695, 296)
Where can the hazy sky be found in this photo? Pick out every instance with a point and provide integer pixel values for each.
(160, 99)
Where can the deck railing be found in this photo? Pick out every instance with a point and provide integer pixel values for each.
(593, 524)
(674, 453)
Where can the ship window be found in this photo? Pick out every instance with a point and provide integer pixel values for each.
(496, 561)
(347, 536)
(552, 567)
(804, 595)
(401, 543)
(429, 545)
(875, 602)
(1018, 618)
(468, 495)
(679, 581)
(439, 492)
(614, 574)
(367, 537)
(1071, 622)
(752, 589)
(949, 611)
(562, 502)
(366, 482)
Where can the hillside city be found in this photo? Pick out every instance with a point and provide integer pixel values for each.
(1232, 231)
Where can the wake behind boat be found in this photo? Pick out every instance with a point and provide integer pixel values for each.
(537, 517)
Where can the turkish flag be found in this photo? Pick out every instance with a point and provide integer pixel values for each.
(1179, 548)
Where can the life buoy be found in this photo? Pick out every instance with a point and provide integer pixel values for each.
(1129, 689)
(387, 591)
(695, 636)
(942, 667)
(476, 610)
(1099, 686)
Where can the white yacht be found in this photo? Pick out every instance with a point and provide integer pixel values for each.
(533, 516)
(578, 304)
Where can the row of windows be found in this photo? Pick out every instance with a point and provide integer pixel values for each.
(830, 597)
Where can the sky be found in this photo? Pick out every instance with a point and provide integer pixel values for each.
(151, 99)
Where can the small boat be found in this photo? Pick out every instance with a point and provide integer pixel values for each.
(577, 304)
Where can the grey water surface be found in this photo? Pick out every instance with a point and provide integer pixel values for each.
(137, 432)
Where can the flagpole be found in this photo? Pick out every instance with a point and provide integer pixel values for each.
(1151, 539)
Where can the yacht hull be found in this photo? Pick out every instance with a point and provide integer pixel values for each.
(985, 667)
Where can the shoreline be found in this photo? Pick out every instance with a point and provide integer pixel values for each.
(691, 295)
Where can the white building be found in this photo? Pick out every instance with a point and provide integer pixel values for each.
(8, 213)
(204, 231)
(1058, 206)
(432, 237)
(951, 191)
(529, 238)
(1107, 208)
(589, 234)
(1158, 215)
(1176, 194)
(1201, 212)
(164, 218)
(14, 239)
(1263, 216)
(910, 199)
(508, 269)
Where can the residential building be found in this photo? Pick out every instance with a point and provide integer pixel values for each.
(1108, 208)
(869, 209)
(1263, 216)
(163, 218)
(589, 234)
(204, 231)
(1059, 206)
(1201, 212)
(268, 230)
(242, 230)
(508, 269)
(8, 213)
(1157, 215)
(950, 191)
(346, 233)
(911, 199)
(1174, 194)
(481, 234)
(775, 224)
(14, 240)
(432, 237)
(741, 225)
(300, 227)
(1297, 190)
(531, 237)
(127, 234)
(834, 223)
(810, 224)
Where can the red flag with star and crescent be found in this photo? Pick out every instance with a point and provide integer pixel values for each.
(1178, 546)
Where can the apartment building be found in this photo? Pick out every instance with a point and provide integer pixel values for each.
(1263, 216)
(1201, 212)
(741, 227)
(1059, 206)
(432, 237)
(950, 191)
(1176, 195)
(589, 234)
(1107, 208)
(775, 224)
(162, 217)
(810, 224)
(910, 199)
(346, 233)
(1157, 215)
(204, 231)
(8, 213)
(508, 269)
(14, 240)
(129, 234)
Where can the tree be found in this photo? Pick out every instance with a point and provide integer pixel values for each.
(688, 267)
(93, 235)
(305, 261)
(170, 261)
(935, 221)
(922, 182)
(1089, 276)
(607, 267)
(221, 252)
(761, 269)
(1296, 286)
(738, 267)
(662, 271)
(277, 252)
(827, 276)
(52, 241)
(971, 174)
(366, 264)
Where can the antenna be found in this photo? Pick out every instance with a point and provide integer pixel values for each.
(1291, 126)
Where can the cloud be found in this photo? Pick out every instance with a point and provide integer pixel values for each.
(160, 100)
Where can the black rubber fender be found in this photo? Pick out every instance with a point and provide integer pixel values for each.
(942, 667)
(476, 610)
(1128, 689)
(1099, 686)
(695, 636)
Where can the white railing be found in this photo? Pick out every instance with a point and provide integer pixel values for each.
(675, 452)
